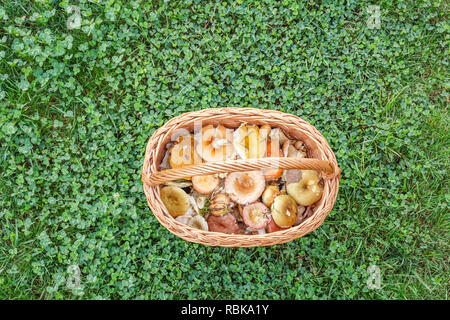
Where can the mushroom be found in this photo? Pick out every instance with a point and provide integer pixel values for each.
(298, 149)
(239, 141)
(175, 199)
(245, 187)
(220, 204)
(257, 140)
(181, 153)
(273, 150)
(193, 202)
(178, 183)
(256, 215)
(184, 219)
(263, 138)
(189, 212)
(198, 222)
(201, 201)
(270, 194)
(290, 151)
(278, 135)
(215, 143)
(179, 135)
(253, 134)
(300, 146)
(307, 190)
(301, 154)
(284, 211)
(277, 138)
(205, 184)
(226, 224)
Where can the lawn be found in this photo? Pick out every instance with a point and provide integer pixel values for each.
(78, 104)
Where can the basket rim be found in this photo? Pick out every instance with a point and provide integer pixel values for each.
(322, 207)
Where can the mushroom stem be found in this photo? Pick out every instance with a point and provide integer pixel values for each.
(264, 132)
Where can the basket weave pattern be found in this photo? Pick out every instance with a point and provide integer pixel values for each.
(320, 157)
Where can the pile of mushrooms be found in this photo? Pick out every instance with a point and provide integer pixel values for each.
(253, 202)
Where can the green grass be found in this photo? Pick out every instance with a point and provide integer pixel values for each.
(78, 106)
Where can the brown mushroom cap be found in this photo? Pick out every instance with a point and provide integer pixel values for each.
(245, 187)
(284, 211)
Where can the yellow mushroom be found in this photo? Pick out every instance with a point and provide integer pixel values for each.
(307, 190)
(253, 133)
(284, 211)
(270, 194)
(175, 199)
(263, 138)
(240, 141)
(181, 154)
(215, 143)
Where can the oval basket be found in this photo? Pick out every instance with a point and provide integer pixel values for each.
(320, 157)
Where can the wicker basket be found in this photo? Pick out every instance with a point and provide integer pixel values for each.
(320, 157)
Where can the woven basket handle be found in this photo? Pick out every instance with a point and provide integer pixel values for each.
(328, 169)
